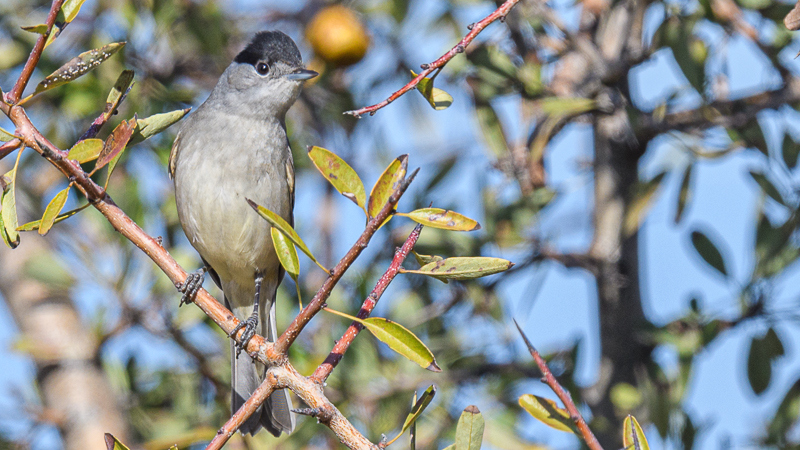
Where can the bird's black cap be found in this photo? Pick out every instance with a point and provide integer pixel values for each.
(270, 46)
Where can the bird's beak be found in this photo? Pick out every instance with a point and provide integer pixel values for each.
(301, 75)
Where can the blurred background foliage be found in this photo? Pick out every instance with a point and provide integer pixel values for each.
(575, 126)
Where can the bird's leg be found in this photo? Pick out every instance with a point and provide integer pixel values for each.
(251, 323)
(192, 284)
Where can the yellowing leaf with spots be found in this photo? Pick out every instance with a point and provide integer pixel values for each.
(547, 412)
(389, 180)
(340, 175)
(441, 218)
(463, 268)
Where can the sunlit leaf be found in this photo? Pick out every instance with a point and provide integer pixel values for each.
(115, 143)
(633, 437)
(768, 187)
(150, 126)
(437, 98)
(441, 218)
(287, 254)
(284, 227)
(52, 211)
(398, 338)
(547, 412)
(86, 150)
(113, 444)
(426, 259)
(643, 199)
(30, 226)
(339, 174)
(78, 66)
(36, 29)
(469, 431)
(684, 193)
(463, 268)
(389, 180)
(709, 252)
(69, 10)
(9, 211)
(416, 410)
(5, 136)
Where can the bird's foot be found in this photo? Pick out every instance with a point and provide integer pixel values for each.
(192, 284)
(249, 326)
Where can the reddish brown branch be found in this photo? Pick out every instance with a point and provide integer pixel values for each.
(36, 53)
(562, 394)
(262, 392)
(9, 147)
(325, 369)
(315, 305)
(475, 29)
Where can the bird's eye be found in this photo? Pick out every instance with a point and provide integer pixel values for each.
(262, 68)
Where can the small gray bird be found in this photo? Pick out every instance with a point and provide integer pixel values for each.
(234, 147)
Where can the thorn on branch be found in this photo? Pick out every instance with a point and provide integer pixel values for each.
(459, 48)
(471, 26)
(424, 66)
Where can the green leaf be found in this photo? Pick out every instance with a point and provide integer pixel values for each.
(36, 29)
(633, 437)
(685, 193)
(118, 93)
(709, 252)
(77, 67)
(438, 98)
(86, 150)
(30, 226)
(69, 10)
(463, 268)
(287, 230)
(339, 174)
(768, 187)
(53, 209)
(566, 106)
(9, 211)
(5, 136)
(287, 254)
(643, 199)
(398, 338)
(416, 410)
(492, 130)
(113, 444)
(441, 218)
(115, 143)
(389, 180)
(426, 259)
(764, 351)
(469, 431)
(547, 411)
(150, 126)
(790, 151)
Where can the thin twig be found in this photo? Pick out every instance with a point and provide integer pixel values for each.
(475, 29)
(9, 147)
(36, 53)
(315, 305)
(562, 394)
(325, 369)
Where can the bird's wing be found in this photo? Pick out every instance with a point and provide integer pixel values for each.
(173, 156)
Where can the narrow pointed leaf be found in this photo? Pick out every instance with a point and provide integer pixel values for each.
(768, 187)
(339, 174)
(5, 136)
(685, 193)
(469, 431)
(709, 252)
(86, 150)
(398, 338)
(643, 200)
(36, 29)
(463, 268)
(442, 218)
(426, 259)
(389, 180)
(113, 444)
(9, 210)
(418, 406)
(69, 10)
(52, 211)
(287, 230)
(150, 126)
(78, 66)
(555, 106)
(437, 98)
(287, 254)
(633, 437)
(115, 143)
(547, 411)
(30, 226)
(121, 88)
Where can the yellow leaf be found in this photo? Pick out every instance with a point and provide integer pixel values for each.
(389, 180)
(633, 437)
(53, 209)
(441, 218)
(287, 254)
(339, 174)
(547, 412)
(86, 150)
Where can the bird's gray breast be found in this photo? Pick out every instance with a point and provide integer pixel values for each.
(224, 160)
